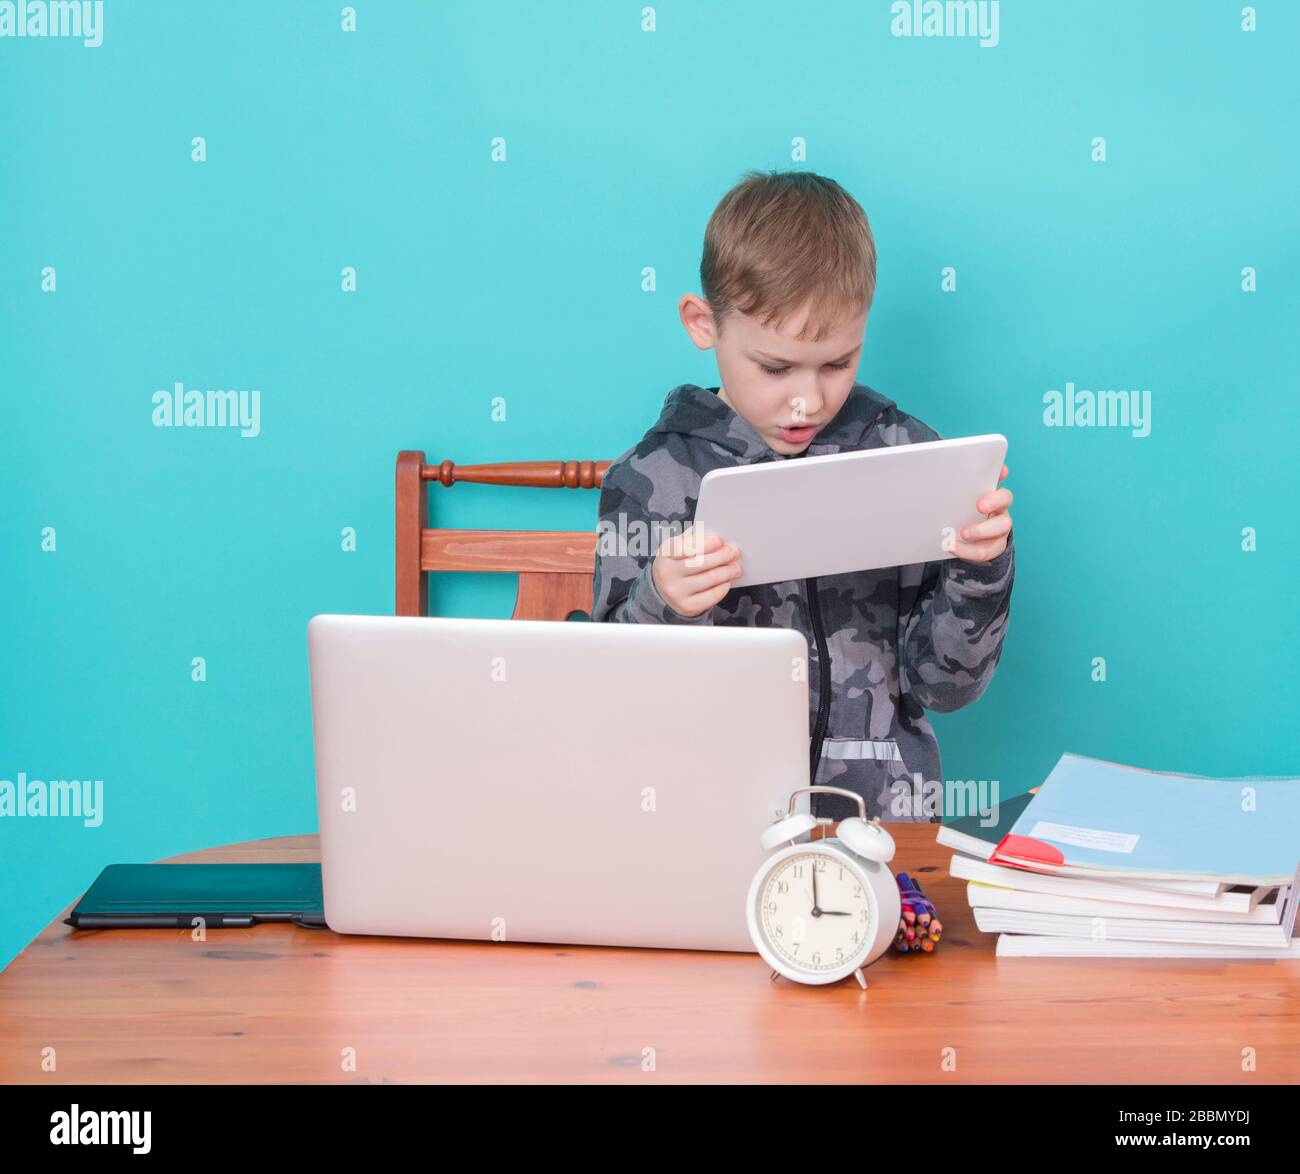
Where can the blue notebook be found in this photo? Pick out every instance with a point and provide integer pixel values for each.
(1103, 820)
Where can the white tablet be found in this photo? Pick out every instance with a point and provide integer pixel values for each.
(851, 511)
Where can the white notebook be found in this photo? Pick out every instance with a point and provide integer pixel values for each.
(985, 896)
(1030, 946)
(1130, 929)
(967, 868)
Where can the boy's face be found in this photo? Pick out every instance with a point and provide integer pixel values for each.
(787, 390)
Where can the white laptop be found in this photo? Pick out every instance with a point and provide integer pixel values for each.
(852, 511)
(524, 780)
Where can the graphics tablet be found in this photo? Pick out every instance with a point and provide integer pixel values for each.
(134, 896)
(852, 511)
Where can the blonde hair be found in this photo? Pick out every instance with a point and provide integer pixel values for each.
(785, 239)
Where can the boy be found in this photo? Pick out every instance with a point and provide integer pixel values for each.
(788, 276)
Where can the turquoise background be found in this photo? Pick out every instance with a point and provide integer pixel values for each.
(523, 279)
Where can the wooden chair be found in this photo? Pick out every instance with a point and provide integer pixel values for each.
(555, 567)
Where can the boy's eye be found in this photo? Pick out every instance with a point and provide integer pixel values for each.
(782, 370)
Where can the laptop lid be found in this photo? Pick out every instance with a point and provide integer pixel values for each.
(527, 780)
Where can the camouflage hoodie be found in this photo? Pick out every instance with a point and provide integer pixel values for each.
(884, 645)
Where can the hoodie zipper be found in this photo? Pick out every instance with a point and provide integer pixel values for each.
(823, 668)
(823, 679)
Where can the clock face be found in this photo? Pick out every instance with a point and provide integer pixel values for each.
(813, 912)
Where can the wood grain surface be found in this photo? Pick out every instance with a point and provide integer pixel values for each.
(281, 1004)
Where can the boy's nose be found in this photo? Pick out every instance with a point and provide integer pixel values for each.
(806, 407)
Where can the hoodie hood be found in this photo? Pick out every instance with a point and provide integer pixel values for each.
(698, 412)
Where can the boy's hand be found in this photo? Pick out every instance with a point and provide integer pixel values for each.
(987, 539)
(693, 571)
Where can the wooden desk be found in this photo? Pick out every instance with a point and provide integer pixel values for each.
(279, 1004)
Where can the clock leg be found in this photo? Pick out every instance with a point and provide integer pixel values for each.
(773, 977)
(862, 981)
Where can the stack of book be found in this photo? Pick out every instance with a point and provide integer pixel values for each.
(1106, 860)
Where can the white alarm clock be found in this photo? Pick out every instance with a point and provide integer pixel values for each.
(823, 909)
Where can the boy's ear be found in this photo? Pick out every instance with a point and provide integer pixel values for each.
(697, 318)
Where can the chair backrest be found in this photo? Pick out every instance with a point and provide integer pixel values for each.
(555, 567)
